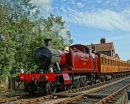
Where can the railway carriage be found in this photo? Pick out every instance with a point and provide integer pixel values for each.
(72, 68)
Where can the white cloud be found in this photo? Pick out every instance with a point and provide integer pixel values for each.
(72, 1)
(100, 18)
(120, 38)
(97, 18)
(45, 4)
(80, 5)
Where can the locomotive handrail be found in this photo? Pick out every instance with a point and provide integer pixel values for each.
(72, 58)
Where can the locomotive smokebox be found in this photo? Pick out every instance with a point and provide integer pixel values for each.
(47, 42)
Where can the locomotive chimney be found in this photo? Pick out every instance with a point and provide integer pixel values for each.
(47, 42)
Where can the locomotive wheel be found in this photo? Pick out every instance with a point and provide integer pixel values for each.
(87, 80)
(77, 83)
(70, 86)
(65, 87)
(31, 89)
(83, 81)
(102, 79)
(52, 87)
(114, 76)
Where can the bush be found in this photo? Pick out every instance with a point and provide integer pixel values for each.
(2, 86)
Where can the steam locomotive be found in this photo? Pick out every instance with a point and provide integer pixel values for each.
(74, 67)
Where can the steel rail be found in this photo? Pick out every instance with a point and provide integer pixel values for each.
(11, 98)
(30, 101)
(70, 100)
(68, 91)
(113, 95)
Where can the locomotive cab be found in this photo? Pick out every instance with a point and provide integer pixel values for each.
(92, 53)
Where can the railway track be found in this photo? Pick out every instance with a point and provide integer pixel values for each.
(108, 93)
(13, 97)
(70, 96)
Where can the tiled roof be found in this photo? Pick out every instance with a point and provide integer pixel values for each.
(103, 47)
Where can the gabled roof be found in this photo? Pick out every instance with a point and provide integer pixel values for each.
(104, 47)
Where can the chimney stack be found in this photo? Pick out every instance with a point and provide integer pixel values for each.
(47, 42)
(102, 40)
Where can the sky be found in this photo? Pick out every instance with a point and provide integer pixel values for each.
(90, 20)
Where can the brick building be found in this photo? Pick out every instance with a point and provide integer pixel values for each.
(104, 48)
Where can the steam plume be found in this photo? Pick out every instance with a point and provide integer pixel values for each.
(45, 4)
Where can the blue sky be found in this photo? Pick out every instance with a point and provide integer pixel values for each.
(90, 20)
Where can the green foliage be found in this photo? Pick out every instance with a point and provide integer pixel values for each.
(128, 60)
(22, 31)
(2, 87)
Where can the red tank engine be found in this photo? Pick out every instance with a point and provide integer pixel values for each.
(58, 69)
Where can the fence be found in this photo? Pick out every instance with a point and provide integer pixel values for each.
(12, 84)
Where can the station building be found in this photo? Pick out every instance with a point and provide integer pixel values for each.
(104, 47)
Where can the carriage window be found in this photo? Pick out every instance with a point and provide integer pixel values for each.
(75, 49)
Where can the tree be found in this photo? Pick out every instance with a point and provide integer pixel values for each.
(7, 51)
(17, 20)
(58, 29)
(23, 30)
(128, 60)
